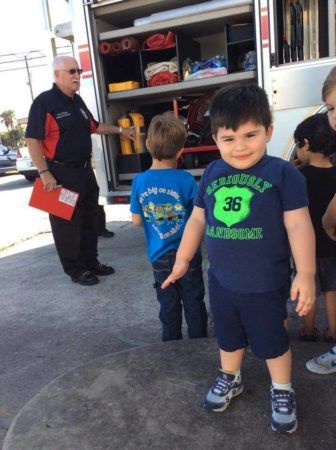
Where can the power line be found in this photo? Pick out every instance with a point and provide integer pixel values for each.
(18, 53)
(20, 60)
(23, 68)
(21, 56)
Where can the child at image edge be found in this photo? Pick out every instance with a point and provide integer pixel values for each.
(253, 209)
(315, 145)
(162, 201)
(326, 363)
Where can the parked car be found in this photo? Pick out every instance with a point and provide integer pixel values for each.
(25, 165)
(7, 160)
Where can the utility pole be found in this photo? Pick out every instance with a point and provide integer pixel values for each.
(29, 78)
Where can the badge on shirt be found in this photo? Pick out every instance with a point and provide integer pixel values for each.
(84, 113)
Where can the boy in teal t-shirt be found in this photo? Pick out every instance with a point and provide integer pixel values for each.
(162, 201)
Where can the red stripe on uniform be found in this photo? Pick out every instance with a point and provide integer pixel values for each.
(93, 126)
(53, 132)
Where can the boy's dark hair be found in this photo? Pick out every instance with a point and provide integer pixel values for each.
(166, 136)
(319, 134)
(233, 106)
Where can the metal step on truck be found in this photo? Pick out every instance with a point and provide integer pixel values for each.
(144, 57)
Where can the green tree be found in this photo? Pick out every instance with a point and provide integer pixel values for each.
(5, 139)
(8, 119)
(13, 138)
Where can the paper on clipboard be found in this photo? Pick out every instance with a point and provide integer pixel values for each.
(61, 202)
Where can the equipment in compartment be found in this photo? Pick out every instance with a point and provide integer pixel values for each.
(212, 67)
(158, 69)
(200, 148)
(159, 41)
(232, 31)
(127, 44)
(137, 121)
(164, 72)
(125, 143)
(240, 47)
(123, 86)
(303, 25)
(197, 118)
(247, 61)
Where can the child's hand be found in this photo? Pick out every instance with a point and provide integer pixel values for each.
(303, 289)
(179, 269)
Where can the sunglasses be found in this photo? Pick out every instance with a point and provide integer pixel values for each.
(72, 71)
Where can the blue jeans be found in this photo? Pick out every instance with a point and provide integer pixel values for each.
(188, 290)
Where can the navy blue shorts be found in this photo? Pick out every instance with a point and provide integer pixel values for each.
(255, 319)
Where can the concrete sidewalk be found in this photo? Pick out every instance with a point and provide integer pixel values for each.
(139, 393)
(36, 222)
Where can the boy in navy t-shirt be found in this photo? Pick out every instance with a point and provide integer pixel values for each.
(161, 201)
(253, 209)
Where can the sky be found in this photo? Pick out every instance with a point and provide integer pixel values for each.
(22, 31)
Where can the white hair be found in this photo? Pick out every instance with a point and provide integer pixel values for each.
(60, 60)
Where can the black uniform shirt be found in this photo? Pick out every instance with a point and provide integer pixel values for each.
(63, 125)
(321, 185)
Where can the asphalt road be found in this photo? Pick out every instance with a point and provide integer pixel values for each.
(50, 325)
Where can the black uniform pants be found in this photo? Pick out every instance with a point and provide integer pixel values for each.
(76, 240)
(101, 218)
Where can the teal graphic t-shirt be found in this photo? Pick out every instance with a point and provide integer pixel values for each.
(164, 198)
(245, 235)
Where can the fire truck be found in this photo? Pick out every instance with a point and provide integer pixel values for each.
(144, 57)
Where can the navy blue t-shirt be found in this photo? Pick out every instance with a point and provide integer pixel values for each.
(164, 199)
(246, 239)
(63, 125)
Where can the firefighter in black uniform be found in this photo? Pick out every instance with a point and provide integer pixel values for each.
(59, 141)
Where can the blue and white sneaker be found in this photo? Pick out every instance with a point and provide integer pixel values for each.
(283, 411)
(224, 388)
(323, 364)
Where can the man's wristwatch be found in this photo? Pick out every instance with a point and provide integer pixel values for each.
(43, 171)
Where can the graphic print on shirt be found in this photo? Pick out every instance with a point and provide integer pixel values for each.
(167, 215)
(232, 204)
(233, 199)
(166, 212)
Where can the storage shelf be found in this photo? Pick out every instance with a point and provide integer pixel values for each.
(181, 88)
(210, 19)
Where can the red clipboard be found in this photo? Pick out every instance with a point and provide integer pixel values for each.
(61, 202)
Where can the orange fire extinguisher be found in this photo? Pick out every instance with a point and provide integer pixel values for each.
(125, 143)
(139, 132)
